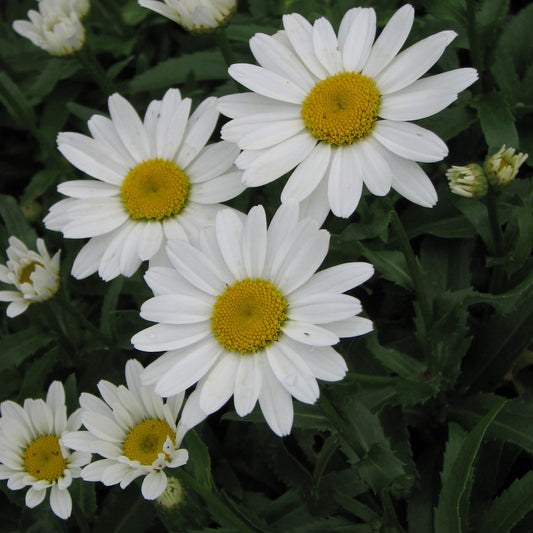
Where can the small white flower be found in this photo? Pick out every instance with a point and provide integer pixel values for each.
(154, 180)
(247, 316)
(135, 432)
(35, 275)
(336, 109)
(31, 452)
(56, 27)
(502, 167)
(468, 181)
(194, 15)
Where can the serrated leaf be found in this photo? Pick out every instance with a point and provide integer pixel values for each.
(450, 514)
(513, 424)
(497, 121)
(202, 65)
(390, 264)
(394, 360)
(510, 507)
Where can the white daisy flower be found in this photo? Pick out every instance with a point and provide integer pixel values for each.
(31, 453)
(246, 315)
(154, 180)
(337, 108)
(35, 275)
(56, 27)
(135, 432)
(194, 15)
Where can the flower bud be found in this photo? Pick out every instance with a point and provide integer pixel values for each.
(502, 167)
(468, 181)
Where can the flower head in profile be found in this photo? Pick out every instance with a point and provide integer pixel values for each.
(247, 315)
(154, 180)
(337, 109)
(56, 27)
(468, 181)
(134, 431)
(194, 15)
(34, 274)
(502, 167)
(32, 454)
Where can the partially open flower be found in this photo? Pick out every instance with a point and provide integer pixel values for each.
(194, 15)
(35, 275)
(56, 27)
(502, 167)
(468, 181)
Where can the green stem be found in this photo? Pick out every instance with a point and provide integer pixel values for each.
(213, 500)
(496, 280)
(224, 46)
(414, 269)
(91, 64)
(349, 432)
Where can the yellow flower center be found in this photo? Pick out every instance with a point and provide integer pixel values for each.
(154, 190)
(248, 315)
(342, 109)
(27, 271)
(43, 459)
(145, 441)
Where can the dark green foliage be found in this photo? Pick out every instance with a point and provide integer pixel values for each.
(432, 428)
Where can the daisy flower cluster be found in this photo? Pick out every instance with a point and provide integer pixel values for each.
(241, 307)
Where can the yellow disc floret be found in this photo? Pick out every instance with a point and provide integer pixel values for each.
(154, 190)
(145, 441)
(248, 315)
(342, 109)
(43, 459)
(27, 271)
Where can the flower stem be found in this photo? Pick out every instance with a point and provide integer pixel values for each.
(213, 500)
(224, 46)
(90, 63)
(496, 231)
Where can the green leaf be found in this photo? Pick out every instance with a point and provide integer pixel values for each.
(390, 264)
(510, 507)
(199, 458)
(40, 183)
(513, 424)
(17, 347)
(497, 121)
(451, 514)
(396, 361)
(15, 221)
(108, 316)
(202, 65)
(16, 103)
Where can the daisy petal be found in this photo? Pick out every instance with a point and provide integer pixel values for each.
(153, 485)
(170, 336)
(410, 141)
(129, 127)
(325, 363)
(247, 384)
(307, 175)
(292, 372)
(359, 40)
(278, 160)
(345, 183)
(376, 171)
(267, 83)
(350, 327)
(324, 308)
(217, 387)
(176, 309)
(254, 242)
(87, 189)
(390, 40)
(34, 497)
(229, 231)
(412, 63)
(60, 502)
(275, 403)
(326, 46)
(171, 124)
(309, 333)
